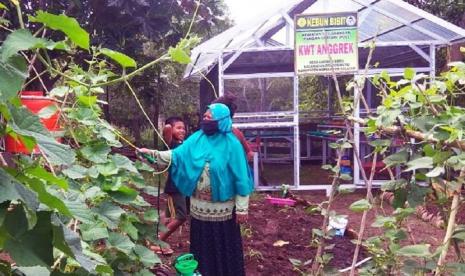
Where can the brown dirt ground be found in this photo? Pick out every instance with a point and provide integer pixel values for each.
(268, 224)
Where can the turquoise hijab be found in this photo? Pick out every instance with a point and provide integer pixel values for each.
(229, 172)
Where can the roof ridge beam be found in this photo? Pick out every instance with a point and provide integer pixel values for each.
(403, 21)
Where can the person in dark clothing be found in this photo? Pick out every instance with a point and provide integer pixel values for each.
(174, 134)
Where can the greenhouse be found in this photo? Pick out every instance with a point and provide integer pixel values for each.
(255, 62)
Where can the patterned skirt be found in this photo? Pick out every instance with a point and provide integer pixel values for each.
(217, 246)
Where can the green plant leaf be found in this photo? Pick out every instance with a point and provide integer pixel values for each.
(396, 234)
(403, 213)
(459, 235)
(123, 194)
(41, 173)
(92, 232)
(28, 142)
(295, 262)
(143, 272)
(409, 73)
(151, 215)
(25, 123)
(75, 172)
(124, 60)
(109, 136)
(141, 166)
(385, 75)
(65, 24)
(104, 270)
(128, 228)
(146, 256)
(33, 270)
(11, 189)
(360, 205)
(94, 192)
(400, 197)
(109, 213)
(386, 222)
(3, 7)
(120, 242)
(416, 195)
(12, 75)
(33, 247)
(437, 171)
(420, 163)
(47, 112)
(96, 153)
(80, 210)
(122, 162)
(441, 156)
(107, 169)
(393, 185)
(3, 210)
(380, 143)
(21, 40)
(45, 197)
(418, 250)
(18, 221)
(59, 91)
(69, 242)
(345, 177)
(179, 55)
(87, 100)
(396, 158)
(57, 153)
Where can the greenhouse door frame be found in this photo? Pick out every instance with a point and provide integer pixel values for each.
(294, 114)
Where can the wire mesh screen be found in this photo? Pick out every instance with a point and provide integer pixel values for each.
(262, 95)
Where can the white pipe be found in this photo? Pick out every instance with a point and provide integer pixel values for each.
(356, 265)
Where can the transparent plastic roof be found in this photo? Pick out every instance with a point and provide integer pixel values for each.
(387, 21)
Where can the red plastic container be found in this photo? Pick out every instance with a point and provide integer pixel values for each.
(35, 102)
(280, 201)
(379, 168)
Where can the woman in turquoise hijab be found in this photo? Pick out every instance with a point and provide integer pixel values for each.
(211, 168)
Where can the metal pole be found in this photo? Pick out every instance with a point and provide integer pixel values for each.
(356, 133)
(256, 171)
(296, 133)
(432, 64)
(220, 75)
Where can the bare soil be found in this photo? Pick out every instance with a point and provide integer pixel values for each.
(269, 224)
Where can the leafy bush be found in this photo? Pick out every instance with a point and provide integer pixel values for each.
(73, 209)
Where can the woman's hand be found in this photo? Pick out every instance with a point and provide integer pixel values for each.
(139, 152)
(242, 218)
(250, 155)
(143, 150)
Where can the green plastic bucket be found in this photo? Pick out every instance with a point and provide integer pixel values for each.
(185, 265)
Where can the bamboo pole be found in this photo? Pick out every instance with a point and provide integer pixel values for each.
(450, 226)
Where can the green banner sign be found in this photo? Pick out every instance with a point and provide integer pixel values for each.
(326, 42)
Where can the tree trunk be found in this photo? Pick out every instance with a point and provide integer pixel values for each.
(156, 105)
(136, 130)
(156, 115)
